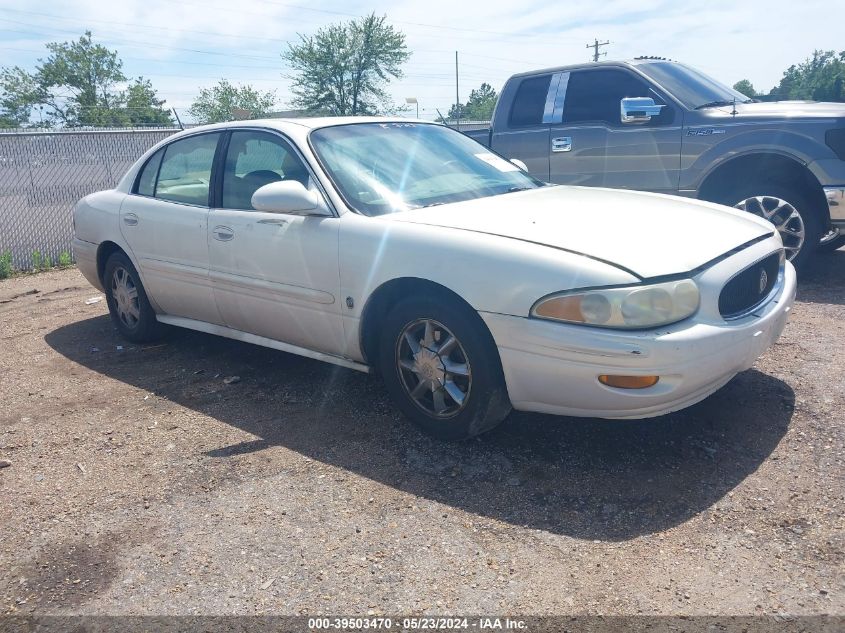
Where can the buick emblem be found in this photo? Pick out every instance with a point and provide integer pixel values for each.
(764, 280)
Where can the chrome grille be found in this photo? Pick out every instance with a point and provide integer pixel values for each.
(748, 289)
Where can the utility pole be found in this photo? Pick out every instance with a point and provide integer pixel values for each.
(457, 95)
(596, 46)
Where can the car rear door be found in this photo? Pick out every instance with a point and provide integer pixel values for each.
(591, 146)
(165, 223)
(274, 274)
(523, 131)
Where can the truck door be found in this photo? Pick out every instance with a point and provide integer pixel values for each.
(591, 146)
(522, 131)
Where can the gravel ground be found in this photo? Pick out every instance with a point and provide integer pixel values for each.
(142, 482)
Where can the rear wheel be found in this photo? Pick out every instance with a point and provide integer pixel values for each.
(789, 209)
(129, 307)
(442, 368)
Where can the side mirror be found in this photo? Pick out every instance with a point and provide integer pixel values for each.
(639, 109)
(289, 196)
(520, 164)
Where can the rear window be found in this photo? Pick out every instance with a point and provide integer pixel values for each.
(530, 101)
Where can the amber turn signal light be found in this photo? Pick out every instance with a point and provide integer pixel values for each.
(629, 382)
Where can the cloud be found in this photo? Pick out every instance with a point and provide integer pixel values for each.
(184, 46)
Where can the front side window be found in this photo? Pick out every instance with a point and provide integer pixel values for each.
(383, 168)
(185, 172)
(596, 95)
(255, 159)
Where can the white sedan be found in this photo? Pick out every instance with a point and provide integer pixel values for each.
(407, 248)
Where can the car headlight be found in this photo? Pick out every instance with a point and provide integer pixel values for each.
(631, 307)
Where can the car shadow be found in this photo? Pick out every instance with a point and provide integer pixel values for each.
(587, 478)
(824, 279)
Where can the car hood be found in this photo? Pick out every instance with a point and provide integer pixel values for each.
(647, 234)
(782, 110)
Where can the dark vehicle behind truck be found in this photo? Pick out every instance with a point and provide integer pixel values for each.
(658, 125)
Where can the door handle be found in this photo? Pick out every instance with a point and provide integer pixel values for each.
(223, 233)
(130, 219)
(562, 144)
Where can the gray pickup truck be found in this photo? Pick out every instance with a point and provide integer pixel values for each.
(657, 125)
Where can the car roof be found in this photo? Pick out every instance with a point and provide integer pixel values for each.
(306, 124)
(604, 63)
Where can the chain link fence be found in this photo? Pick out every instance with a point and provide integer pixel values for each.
(44, 173)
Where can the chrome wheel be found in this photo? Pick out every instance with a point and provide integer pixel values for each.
(783, 215)
(829, 237)
(125, 295)
(433, 368)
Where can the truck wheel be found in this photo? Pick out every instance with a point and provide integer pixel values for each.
(129, 307)
(789, 209)
(442, 369)
(831, 241)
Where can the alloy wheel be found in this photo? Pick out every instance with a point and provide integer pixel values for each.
(433, 368)
(783, 215)
(125, 295)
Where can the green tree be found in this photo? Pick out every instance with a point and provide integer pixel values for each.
(18, 95)
(224, 101)
(479, 106)
(78, 84)
(143, 107)
(344, 68)
(745, 87)
(820, 78)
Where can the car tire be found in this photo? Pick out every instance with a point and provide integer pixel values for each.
(763, 199)
(129, 307)
(433, 341)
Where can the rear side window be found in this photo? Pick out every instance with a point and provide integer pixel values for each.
(530, 101)
(147, 179)
(185, 172)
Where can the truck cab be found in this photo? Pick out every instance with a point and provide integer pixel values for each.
(657, 125)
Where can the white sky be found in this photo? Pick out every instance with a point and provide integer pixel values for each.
(183, 46)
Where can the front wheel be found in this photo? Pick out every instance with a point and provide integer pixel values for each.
(442, 368)
(790, 210)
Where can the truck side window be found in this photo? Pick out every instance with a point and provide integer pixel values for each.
(595, 95)
(530, 101)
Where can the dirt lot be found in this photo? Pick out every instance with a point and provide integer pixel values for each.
(140, 482)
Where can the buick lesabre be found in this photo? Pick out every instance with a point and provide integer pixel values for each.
(406, 248)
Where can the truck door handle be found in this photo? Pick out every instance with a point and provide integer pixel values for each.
(223, 233)
(130, 219)
(562, 144)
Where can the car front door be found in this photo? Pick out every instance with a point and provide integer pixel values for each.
(523, 132)
(165, 223)
(274, 274)
(592, 147)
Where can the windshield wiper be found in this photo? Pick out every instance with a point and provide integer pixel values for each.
(714, 104)
(722, 102)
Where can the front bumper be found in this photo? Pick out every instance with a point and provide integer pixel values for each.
(836, 205)
(554, 367)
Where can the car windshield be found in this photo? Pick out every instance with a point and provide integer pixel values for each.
(394, 166)
(691, 87)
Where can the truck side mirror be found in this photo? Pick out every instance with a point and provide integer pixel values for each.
(639, 109)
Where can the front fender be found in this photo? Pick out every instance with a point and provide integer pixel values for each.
(703, 151)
